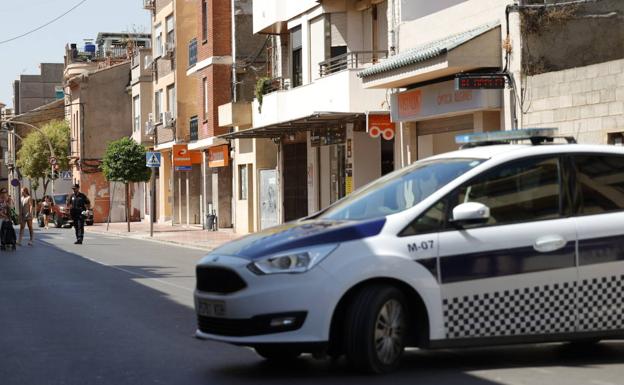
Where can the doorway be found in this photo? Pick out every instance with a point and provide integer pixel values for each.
(337, 172)
(295, 160)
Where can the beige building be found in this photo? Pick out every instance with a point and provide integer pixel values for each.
(98, 106)
(174, 107)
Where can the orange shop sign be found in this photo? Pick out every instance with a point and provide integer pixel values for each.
(219, 156)
(380, 125)
(409, 103)
(181, 155)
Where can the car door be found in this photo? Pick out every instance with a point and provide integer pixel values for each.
(514, 275)
(599, 207)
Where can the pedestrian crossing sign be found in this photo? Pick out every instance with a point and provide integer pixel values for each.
(152, 159)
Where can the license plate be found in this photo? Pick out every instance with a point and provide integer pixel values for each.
(208, 308)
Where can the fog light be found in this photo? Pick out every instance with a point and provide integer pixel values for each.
(285, 321)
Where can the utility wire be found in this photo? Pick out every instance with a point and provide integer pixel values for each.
(44, 25)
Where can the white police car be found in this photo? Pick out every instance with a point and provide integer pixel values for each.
(492, 244)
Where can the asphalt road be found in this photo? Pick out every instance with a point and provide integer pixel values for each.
(119, 311)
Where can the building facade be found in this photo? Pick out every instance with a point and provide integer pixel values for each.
(311, 110)
(174, 108)
(32, 91)
(97, 81)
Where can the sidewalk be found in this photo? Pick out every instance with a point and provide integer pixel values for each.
(193, 236)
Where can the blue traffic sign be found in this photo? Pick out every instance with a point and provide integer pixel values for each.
(184, 168)
(152, 159)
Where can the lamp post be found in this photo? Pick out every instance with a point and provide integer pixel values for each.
(3, 122)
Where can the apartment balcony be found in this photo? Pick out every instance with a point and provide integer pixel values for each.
(339, 91)
(351, 60)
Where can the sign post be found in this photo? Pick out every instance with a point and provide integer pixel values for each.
(152, 160)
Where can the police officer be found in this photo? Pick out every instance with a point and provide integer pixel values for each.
(78, 203)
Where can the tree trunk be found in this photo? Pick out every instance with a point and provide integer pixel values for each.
(128, 205)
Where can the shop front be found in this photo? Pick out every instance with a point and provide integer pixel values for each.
(437, 112)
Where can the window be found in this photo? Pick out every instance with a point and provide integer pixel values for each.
(158, 41)
(399, 190)
(171, 100)
(520, 191)
(242, 182)
(194, 128)
(205, 92)
(600, 184)
(433, 220)
(170, 31)
(297, 57)
(136, 102)
(204, 21)
(158, 106)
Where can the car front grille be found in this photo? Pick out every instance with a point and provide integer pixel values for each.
(218, 280)
(237, 327)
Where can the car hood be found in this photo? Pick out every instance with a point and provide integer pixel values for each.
(299, 234)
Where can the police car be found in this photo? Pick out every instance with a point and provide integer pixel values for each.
(500, 242)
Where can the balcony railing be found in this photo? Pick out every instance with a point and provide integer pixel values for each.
(192, 52)
(351, 60)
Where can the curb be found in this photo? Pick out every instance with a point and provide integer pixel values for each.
(156, 240)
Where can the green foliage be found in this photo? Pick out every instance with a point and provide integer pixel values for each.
(262, 88)
(33, 158)
(124, 161)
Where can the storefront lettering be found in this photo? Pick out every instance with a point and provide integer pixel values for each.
(410, 103)
(454, 97)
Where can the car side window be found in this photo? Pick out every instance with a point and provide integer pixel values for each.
(600, 184)
(519, 191)
(433, 220)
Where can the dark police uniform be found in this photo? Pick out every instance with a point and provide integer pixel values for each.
(78, 204)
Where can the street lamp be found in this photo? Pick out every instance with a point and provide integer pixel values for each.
(5, 126)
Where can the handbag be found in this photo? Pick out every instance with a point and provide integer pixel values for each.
(13, 215)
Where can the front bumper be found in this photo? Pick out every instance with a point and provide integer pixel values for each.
(308, 299)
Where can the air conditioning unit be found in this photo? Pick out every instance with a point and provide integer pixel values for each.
(149, 125)
(167, 119)
(149, 62)
(149, 4)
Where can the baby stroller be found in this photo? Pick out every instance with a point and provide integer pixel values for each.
(7, 236)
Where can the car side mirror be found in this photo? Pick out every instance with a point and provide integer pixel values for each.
(470, 213)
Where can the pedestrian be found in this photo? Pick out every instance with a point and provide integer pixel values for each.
(46, 209)
(78, 204)
(7, 232)
(26, 217)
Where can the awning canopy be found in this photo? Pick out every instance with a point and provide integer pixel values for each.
(309, 123)
(475, 48)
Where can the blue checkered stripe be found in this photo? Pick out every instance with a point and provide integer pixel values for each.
(532, 310)
(601, 303)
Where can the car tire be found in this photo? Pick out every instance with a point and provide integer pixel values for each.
(278, 353)
(376, 329)
(40, 222)
(58, 222)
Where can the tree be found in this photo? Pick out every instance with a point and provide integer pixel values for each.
(124, 161)
(33, 158)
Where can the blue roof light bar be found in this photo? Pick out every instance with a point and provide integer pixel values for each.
(506, 136)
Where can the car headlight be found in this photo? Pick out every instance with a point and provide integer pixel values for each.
(292, 261)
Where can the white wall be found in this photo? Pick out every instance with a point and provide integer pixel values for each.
(415, 9)
(269, 12)
(366, 159)
(340, 92)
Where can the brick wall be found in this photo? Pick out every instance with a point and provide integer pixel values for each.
(219, 85)
(586, 102)
(218, 76)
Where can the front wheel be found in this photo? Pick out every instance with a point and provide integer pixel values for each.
(278, 353)
(376, 329)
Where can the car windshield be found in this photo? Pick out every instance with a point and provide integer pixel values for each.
(60, 199)
(399, 190)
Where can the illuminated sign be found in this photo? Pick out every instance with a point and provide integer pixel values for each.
(477, 82)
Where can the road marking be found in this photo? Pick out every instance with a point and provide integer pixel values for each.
(140, 275)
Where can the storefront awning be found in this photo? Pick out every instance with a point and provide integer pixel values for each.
(476, 48)
(309, 123)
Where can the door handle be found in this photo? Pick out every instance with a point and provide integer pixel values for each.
(549, 243)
